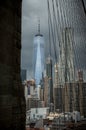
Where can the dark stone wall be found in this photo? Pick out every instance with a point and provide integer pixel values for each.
(12, 101)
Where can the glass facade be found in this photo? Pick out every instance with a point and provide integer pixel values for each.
(38, 58)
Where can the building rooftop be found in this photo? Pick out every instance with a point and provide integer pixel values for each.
(38, 35)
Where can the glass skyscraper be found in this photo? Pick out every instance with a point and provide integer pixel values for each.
(38, 57)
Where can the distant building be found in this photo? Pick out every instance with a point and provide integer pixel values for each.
(66, 59)
(38, 59)
(31, 87)
(50, 80)
(39, 113)
(38, 91)
(33, 95)
(81, 98)
(57, 90)
(75, 97)
(69, 99)
(29, 90)
(80, 75)
(33, 103)
(46, 91)
(58, 99)
(56, 76)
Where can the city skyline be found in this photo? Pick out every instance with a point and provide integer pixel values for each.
(50, 105)
(31, 10)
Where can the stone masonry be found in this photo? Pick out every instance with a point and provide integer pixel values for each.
(12, 102)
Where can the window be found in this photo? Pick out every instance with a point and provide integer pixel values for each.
(33, 115)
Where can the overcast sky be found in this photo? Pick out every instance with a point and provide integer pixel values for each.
(34, 9)
(31, 11)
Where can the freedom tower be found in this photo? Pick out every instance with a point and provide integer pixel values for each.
(38, 56)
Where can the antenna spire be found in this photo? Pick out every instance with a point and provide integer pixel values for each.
(39, 25)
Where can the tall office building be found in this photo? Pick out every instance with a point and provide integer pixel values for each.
(56, 75)
(66, 60)
(46, 91)
(38, 56)
(57, 90)
(66, 68)
(50, 80)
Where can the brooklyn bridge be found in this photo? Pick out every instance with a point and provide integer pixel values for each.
(63, 89)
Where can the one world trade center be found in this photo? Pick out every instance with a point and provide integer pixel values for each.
(38, 56)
